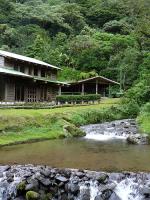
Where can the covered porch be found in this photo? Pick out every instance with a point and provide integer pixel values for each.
(94, 85)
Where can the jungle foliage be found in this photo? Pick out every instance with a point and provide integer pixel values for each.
(84, 37)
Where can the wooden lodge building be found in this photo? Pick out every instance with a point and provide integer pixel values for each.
(24, 79)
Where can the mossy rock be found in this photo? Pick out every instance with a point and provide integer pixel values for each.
(21, 187)
(48, 196)
(31, 195)
(74, 131)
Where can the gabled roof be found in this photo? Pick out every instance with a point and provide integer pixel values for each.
(98, 78)
(26, 59)
(4, 70)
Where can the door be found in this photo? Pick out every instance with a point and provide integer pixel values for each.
(19, 93)
(32, 94)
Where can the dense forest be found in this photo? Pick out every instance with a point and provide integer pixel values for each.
(84, 37)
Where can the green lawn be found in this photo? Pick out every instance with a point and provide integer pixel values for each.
(22, 125)
(33, 112)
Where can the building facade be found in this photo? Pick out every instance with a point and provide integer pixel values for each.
(24, 79)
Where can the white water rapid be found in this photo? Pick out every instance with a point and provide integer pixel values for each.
(119, 129)
(126, 189)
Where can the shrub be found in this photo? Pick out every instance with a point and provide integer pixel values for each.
(78, 98)
(146, 108)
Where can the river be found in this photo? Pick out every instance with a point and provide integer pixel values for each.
(105, 154)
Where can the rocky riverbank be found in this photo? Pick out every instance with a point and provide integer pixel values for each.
(41, 182)
(121, 129)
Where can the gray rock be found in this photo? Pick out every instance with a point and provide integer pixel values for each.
(106, 194)
(45, 182)
(46, 172)
(145, 190)
(4, 168)
(73, 188)
(98, 197)
(110, 186)
(85, 194)
(138, 139)
(61, 179)
(80, 174)
(102, 178)
(34, 185)
(114, 196)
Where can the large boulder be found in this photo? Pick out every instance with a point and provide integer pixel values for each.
(31, 195)
(102, 178)
(138, 139)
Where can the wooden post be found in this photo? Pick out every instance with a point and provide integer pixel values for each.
(96, 86)
(82, 88)
(59, 92)
(109, 90)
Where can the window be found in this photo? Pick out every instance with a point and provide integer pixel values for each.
(43, 73)
(16, 68)
(30, 71)
(35, 71)
(22, 69)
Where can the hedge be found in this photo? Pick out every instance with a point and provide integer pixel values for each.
(78, 98)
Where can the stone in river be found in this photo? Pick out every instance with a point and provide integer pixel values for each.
(85, 194)
(32, 186)
(106, 194)
(46, 172)
(145, 190)
(98, 197)
(61, 179)
(46, 182)
(31, 195)
(4, 168)
(80, 174)
(110, 186)
(102, 178)
(114, 196)
(73, 188)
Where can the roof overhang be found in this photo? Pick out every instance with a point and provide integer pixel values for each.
(46, 80)
(12, 72)
(26, 59)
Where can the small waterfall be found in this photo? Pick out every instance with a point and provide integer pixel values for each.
(105, 136)
(8, 190)
(119, 129)
(126, 189)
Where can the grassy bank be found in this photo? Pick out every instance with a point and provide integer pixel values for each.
(24, 125)
(20, 125)
(144, 119)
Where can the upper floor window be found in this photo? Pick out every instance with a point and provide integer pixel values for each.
(30, 71)
(16, 68)
(35, 71)
(22, 69)
(43, 73)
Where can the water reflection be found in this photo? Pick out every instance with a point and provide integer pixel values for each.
(112, 155)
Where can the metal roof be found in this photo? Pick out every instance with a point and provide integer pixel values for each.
(4, 70)
(96, 77)
(26, 59)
